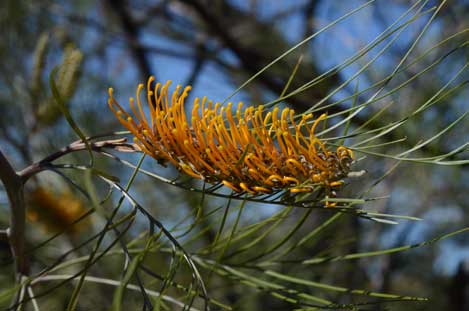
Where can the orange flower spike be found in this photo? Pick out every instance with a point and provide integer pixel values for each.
(211, 145)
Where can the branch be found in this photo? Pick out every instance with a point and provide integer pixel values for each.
(131, 31)
(116, 144)
(14, 188)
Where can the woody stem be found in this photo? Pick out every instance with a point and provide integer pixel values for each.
(15, 191)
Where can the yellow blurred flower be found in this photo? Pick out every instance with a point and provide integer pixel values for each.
(56, 212)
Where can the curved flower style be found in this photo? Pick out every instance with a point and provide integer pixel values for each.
(246, 150)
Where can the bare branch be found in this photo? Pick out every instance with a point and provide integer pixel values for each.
(131, 31)
(14, 188)
(116, 144)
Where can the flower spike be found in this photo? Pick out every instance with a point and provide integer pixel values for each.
(247, 150)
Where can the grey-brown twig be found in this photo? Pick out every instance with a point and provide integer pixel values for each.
(116, 144)
(14, 187)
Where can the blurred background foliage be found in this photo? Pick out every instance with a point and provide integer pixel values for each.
(215, 46)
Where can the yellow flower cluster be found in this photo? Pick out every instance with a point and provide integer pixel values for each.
(56, 212)
(247, 149)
